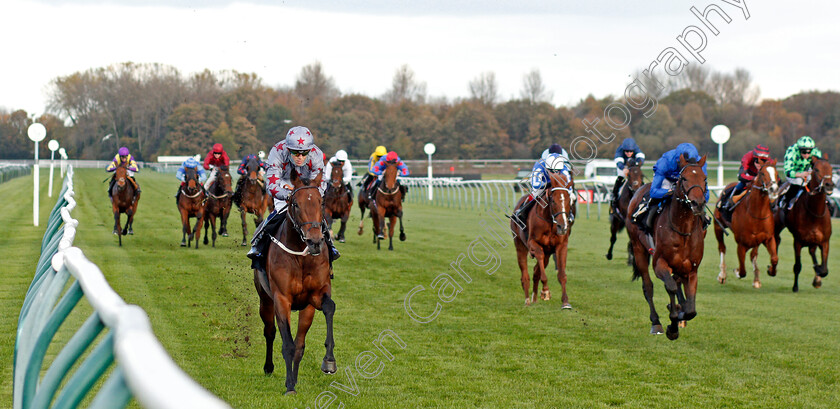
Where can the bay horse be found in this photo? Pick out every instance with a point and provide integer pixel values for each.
(388, 204)
(297, 278)
(809, 221)
(191, 204)
(677, 247)
(251, 197)
(337, 201)
(752, 223)
(124, 198)
(218, 204)
(546, 232)
(635, 180)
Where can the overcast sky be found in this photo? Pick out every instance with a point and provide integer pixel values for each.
(580, 47)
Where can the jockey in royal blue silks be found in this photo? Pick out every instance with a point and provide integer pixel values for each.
(626, 151)
(554, 162)
(666, 172)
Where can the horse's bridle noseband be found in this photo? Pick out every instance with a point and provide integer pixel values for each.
(571, 193)
(297, 225)
(684, 199)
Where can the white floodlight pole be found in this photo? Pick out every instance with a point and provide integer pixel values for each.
(36, 133)
(53, 145)
(720, 134)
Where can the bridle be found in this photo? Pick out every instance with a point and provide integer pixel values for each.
(298, 226)
(224, 185)
(821, 186)
(565, 213)
(764, 187)
(685, 191)
(191, 175)
(396, 188)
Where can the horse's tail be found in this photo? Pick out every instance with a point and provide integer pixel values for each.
(631, 261)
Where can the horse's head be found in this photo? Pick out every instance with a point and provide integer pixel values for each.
(635, 177)
(767, 178)
(336, 177)
(253, 169)
(306, 211)
(225, 182)
(820, 176)
(560, 201)
(120, 175)
(389, 178)
(691, 187)
(191, 179)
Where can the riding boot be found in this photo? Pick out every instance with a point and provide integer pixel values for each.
(795, 198)
(259, 243)
(111, 186)
(653, 210)
(524, 210)
(619, 181)
(334, 254)
(643, 207)
(177, 196)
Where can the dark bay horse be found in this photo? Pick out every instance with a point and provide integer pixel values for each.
(677, 247)
(124, 198)
(635, 180)
(809, 221)
(752, 223)
(191, 204)
(337, 201)
(547, 231)
(297, 279)
(388, 204)
(251, 197)
(218, 204)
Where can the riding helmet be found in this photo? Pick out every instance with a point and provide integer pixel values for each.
(300, 139)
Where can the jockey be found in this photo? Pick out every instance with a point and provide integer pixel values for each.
(123, 157)
(217, 157)
(190, 163)
(554, 162)
(554, 148)
(626, 151)
(379, 169)
(297, 151)
(242, 171)
(666, 172)
(374, 159)
(748, 172)
(340, 159)
(797, 170)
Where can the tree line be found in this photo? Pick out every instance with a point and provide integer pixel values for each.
(155, 110)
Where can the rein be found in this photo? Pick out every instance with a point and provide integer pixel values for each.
(686, 201)
(298, 227)
(191, 196)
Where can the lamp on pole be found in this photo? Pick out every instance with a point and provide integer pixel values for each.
(429, 148)
(720, 134)
(53, 145)
(63, 154)
(36, 133)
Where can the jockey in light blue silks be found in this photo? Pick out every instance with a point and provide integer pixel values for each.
(666, 172)
(628, 150)
(190, 163)
(554, 162)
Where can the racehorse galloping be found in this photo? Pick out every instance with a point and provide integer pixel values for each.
(635, 180)
(252, 197)
(809, 221)
(337, 201)
(546, 232)
(388, 204)
(124, 199)
(752, 223)
(677, 245)
(218, 204)
(191, 204)
(297, 279)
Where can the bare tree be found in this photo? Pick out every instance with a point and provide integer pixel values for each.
(533, 88)
(313, 84)
(484, 88)
(405, 87)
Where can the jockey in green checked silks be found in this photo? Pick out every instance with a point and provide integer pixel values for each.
(797, 171)
(298, 152)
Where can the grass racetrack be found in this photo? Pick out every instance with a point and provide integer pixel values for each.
(746, 348)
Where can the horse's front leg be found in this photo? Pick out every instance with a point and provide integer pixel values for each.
(129, 223)
(754, 260)
(772, 249)
(391, 224)
(185, 227)
(117, 230)
(613, 231)
(820, 269)
(797, 264)
(199, 218)
(244, 216)
(361, 218)
(282, 312)
(304, 322)
(328, 307)
(560, 257)
(536, 250)
(522, 260)
(641, 259)
(343, 226)
(742, 254)
(213, 226)
(689, 306)
(269, 328)
(721, 249)
(663, 272)
(402, 232)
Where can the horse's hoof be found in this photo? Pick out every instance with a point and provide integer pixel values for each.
(656, 329)
(328, 367)
(527, 302)
(402, 236)
(183, 244)
(268, 369)
(360, 232)
(721, 280)
(243, 244)
(131, 232)
(609, 256)
(817, 283)
(771, 271)
(341, 240)
(545, 295)
(681, 324)
(672, 332)
(795, 289)
(224, 234)
(291, 392)
(380, 236)
(115, 231)
(756, 284)
(741, 274)
(566, 306)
